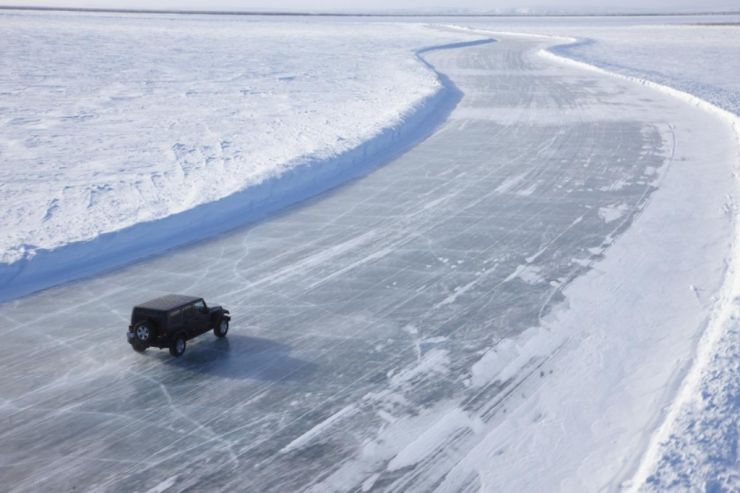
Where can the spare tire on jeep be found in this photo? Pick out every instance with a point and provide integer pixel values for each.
(144, 332)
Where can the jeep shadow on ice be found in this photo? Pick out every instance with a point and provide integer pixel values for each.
(170, 321)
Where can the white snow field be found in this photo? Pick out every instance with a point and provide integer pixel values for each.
(510, 305)
(110, 124)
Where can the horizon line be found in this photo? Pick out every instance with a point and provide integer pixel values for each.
(347, 14)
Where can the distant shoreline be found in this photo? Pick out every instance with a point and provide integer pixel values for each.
(340, 14)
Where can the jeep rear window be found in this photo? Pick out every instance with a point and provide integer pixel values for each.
(149, 313)
(143, 313)
(175, 317)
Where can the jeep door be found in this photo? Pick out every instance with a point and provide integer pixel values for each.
(200, 317)
(189, 322)
(175, 324)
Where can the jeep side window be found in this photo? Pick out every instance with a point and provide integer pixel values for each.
(175, 317)
(200, 307)
(187, 312)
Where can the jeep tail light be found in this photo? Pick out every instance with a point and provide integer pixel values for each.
(130, 328)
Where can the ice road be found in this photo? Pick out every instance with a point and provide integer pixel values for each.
(378, 330)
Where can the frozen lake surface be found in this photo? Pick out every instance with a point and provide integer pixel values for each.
(388, 335)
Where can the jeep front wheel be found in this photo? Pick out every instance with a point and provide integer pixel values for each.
(221, 328)
(144, 332)
(177, 348)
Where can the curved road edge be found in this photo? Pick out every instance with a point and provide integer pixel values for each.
(698, 403)
(109, 251)
(722, 324)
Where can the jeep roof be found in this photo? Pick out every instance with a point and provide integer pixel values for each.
(169, 302)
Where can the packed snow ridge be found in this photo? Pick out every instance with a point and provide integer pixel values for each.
(695, 446)
(680, 456)
(132, 120)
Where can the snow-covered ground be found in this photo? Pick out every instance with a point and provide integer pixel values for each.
(111, 121)
(509, 305)
(695, 446)
(101, 138)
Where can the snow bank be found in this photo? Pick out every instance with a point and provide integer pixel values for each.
(696, 445)
(141, 133)
(693, 445)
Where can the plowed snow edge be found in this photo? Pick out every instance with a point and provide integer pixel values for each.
(668, 461)
(724, 312)
(47, 268)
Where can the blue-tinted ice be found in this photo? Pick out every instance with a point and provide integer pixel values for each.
(359, 311)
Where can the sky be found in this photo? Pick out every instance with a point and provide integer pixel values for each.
(424, 5)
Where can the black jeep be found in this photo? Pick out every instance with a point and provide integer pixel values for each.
(169, 321)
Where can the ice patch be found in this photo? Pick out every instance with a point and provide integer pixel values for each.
(614, 187)
(319, 429)
(509, 356)
(433, 438)
(367, 485)
(527, 191)
(613, 212)
(510, 183)
(527, 273)
(434, 361)
(163, 486)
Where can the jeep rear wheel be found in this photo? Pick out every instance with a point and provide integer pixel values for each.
(138, 347)
(221, 328)
(144, 332)
(177, 348)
